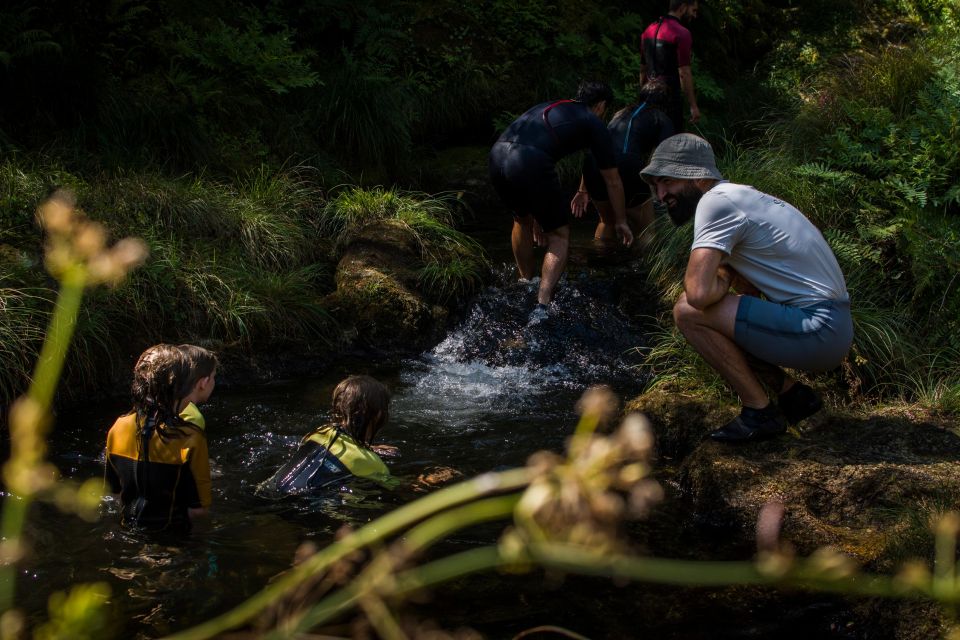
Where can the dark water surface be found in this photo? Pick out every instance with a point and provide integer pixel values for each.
(498, 388)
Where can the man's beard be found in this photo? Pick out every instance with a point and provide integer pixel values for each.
(685, 205)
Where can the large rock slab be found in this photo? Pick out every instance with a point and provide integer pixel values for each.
(867, 484)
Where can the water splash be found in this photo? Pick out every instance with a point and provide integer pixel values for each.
(507, 355)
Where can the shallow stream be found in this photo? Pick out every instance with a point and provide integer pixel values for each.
(498, 388)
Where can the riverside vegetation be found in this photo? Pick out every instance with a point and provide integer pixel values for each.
(562, 513)
(221, 137)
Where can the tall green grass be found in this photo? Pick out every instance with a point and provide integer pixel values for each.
(245, 264)
(452, 265)
(239, 263)
(24, 314)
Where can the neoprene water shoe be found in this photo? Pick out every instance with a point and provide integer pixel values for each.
(752, 425)
(799, 402)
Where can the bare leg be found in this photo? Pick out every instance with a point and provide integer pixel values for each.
(555, 260)
(521, 239)
(604, 231)
(770, 375)
(710, 333)
(639, 218)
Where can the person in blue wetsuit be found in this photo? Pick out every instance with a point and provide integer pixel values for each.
(636, 131)
(343, 448)
(523, 173)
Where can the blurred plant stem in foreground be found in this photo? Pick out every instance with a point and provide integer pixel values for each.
(566, 514)
(76, 254)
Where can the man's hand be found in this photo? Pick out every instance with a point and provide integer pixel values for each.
(579, 203)
(624, 233)
(387, 450)
(694, 114)
(737, 282)
(539, 237)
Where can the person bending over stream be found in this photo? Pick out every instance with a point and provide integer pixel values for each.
(157, 460)
(757, 245)
(636, 131)
(523, 173)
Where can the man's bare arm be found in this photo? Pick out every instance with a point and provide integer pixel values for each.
(705, 281)
(686, 83)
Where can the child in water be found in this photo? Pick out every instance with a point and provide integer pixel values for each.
(157, 459)
(344, 447)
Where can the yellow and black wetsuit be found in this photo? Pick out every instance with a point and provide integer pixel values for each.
(326, 456)
(192, 415)
(156, 490)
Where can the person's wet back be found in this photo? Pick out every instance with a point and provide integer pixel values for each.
(344, 447)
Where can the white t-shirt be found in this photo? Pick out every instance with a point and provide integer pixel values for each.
(770, 243)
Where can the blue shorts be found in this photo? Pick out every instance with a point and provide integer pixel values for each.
(814, 338)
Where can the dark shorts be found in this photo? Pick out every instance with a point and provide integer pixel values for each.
(635, 190)
(814, 338)
(526, 180)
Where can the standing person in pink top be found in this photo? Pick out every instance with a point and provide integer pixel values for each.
(665, 54)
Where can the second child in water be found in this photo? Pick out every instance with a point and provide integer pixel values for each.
(344, 447)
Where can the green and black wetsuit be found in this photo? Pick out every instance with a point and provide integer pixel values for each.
(327, 456)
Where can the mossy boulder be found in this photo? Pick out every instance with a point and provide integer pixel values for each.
(377, 301)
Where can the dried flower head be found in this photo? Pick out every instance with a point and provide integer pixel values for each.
(584, 498)
(74, 242)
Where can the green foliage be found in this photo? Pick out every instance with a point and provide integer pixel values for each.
(365, 115)
(83, 613)
(19, 41)
(453, 262)
(238, 263)
(24, 314)
(872, 158)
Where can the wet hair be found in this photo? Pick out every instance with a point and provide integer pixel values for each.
(201, 362)
(591, 92)
(676, 4)
(360, 402)
(654, 92)
(159, 384)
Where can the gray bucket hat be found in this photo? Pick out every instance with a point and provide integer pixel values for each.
(684, 156)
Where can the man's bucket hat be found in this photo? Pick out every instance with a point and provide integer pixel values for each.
(684, 156)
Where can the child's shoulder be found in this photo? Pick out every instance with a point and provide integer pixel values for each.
(320, 435)
(192, 415)
(124, 422)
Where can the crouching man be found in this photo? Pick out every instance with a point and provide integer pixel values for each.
(762, 289)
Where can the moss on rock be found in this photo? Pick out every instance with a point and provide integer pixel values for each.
(377, 300)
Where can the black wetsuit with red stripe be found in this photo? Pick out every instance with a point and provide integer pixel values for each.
(665, 46)
(523, 160)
